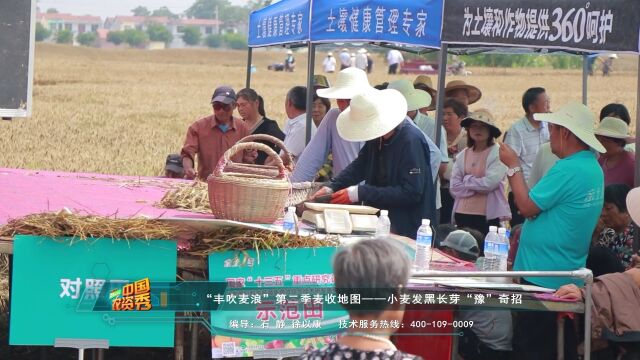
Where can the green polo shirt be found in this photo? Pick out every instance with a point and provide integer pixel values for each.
(570, 197)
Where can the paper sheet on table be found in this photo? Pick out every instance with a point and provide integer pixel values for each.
(475, 283)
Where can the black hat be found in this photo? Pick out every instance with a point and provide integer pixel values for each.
(223, 94)
(174, 163)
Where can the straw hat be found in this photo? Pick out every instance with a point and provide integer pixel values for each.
(474, 93)
(483, 116)
(320, 82)
(329, 53)
(576, 118)
(372, 115)
(416, 99)
(362, 51)
(349, 83)
(344, 50)
(633, 204)
(425, 81)
(289, 52)
(614, 128)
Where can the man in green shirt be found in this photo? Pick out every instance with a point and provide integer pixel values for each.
(561, 210)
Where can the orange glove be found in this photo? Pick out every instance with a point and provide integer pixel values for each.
(341, 197)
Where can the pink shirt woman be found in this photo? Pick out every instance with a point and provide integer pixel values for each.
(478, 176)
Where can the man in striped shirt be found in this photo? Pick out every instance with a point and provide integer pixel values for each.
(526, 136)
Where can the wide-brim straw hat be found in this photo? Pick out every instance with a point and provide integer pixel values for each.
(289, 52)
(416, 99)
(349, 83)
(633, 204)
(484, 116)
(614, 128)
(474, 93)
(578, 119)
(330, 54)
(425, 80)
(362, 51)
(372, 115)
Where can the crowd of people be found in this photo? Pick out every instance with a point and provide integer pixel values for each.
(556, 177)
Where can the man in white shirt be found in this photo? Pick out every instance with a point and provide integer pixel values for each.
(349, 83)
(394, 59)
(329, 63)
(345, 59)
(296, 127)
(526, 136)
(362, 60)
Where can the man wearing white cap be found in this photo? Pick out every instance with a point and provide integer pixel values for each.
(289, 62)
(562, 211)
(329, 64)
(349, 83)
(394, 162)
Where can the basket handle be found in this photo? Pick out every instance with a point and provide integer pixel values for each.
(272, 139)
(241, 146)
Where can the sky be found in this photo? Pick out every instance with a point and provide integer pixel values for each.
(106, 8)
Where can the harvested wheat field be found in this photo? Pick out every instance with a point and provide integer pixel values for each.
(122, 111)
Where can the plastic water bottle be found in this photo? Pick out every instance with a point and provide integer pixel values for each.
(505, 224)
(424, 240)
(289, 224)
(383, 228)
(490, 255)
(502, 249)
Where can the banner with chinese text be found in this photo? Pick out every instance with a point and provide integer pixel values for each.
(596, 25)
(284, 22)
(274, 324)
(56, 284)
(413, 23)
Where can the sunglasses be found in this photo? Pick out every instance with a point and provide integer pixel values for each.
(220, 106)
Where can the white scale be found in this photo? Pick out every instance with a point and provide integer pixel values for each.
(341, 219)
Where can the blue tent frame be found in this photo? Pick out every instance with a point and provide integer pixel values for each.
(404, 24)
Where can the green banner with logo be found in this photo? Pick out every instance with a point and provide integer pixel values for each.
(273, 324)
(52, 277)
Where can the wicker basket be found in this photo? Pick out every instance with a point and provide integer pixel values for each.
(248, 197)
(300, 192)
(265, 170)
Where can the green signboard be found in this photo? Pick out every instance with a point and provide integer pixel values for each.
(271, 325)
(51, 277)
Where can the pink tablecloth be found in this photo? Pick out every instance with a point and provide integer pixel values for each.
(24, 192)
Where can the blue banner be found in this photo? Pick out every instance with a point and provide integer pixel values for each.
(284, 22)
(405, 22)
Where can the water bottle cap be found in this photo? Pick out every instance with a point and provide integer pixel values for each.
(426, 222)
(502, 230)
(384, 212)
(493, 229)
(292, 209)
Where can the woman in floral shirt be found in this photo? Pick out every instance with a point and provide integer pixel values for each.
(618, 227)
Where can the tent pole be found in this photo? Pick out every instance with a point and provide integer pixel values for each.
(249, 57)
(636, 231)
(310, 90)
(637, 175)
(442, 73)
(585, 76)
